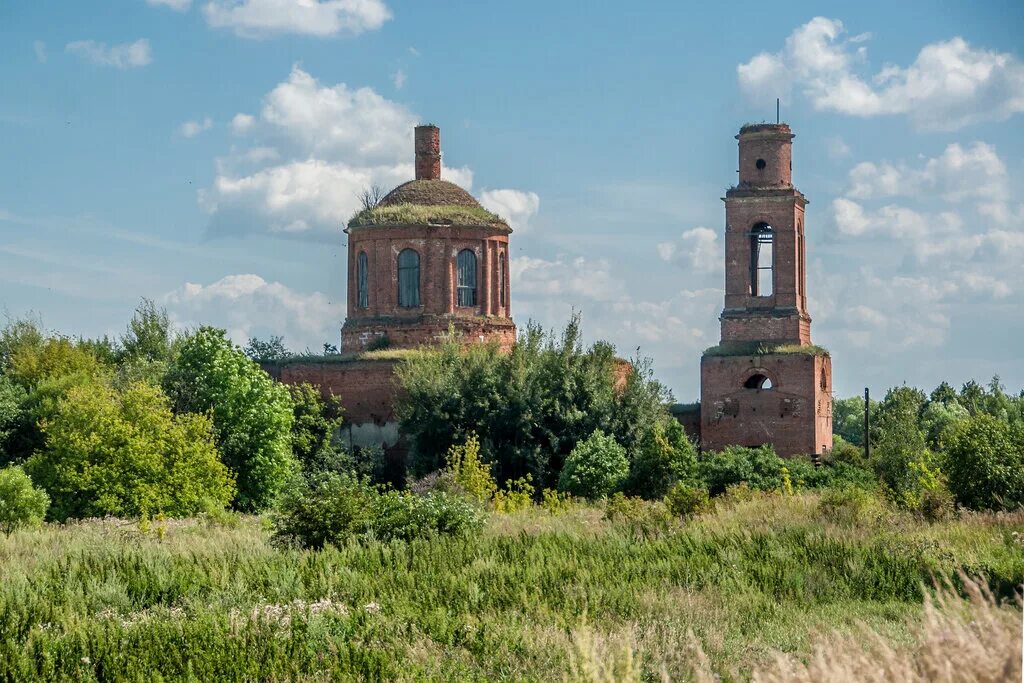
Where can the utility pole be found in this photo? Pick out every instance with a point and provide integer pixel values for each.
(867, 425)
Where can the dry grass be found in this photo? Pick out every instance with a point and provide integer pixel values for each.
(973, 639)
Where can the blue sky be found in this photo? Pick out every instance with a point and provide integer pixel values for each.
(205, 154)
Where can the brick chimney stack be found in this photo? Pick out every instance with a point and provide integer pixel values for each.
(428, 153)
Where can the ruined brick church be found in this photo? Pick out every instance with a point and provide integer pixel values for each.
(428, 258)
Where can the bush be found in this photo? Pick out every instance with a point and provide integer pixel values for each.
(515, 497)
(760, 468)
(332, 508)
(469, 472)
(666, 456)
(555, 502)
(21, 503)
(850, 506)
(984, 459)
(326, 508)
(642, 518)
(684, 500)
(314, 422)
(595, 468)
(252, 414)
(530, 407)
(405, 516)
(126, 454)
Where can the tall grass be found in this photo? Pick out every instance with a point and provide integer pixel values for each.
(193, 600)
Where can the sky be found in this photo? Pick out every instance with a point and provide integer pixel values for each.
(206, 154)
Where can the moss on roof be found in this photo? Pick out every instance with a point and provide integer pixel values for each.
(429, 193)
(418, 214)
(763, 349)
(380, 354)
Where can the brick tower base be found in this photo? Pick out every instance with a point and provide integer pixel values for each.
(794, 415)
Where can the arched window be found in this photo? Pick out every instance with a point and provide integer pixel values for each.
(501, 279)
(362, 282)
(466, 263)
(762, 260)
(408, 278)
(758, 381)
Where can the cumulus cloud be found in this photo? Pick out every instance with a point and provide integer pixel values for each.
(242, 123)
(190, 129)
(316, 147)
(939, 256)
(176, 5)
(949, 85)
(697, 249)
(39, 47)
(124, 56)
(246, 305)
(322, 18)
(515, 206)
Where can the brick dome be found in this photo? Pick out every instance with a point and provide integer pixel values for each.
(429, 193)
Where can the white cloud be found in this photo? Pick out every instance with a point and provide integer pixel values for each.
(316, 148)
(242, 123)
(697, 249)
(190, 129)
(176, 5)
(398, 78)
(323, 18)
(515, 206)
(949, 85)
(39, 47)
(124, 56)
(958, 174)
(247, 305)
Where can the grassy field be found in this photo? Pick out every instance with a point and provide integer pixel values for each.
(536, 596)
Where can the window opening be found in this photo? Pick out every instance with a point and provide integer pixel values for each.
(408, 278)
(362, 282)
(466, 263)
(762, 260)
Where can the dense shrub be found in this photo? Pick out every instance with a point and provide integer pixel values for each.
(125, 454)
(252, 414)
(760, 468)
(641, 518)
(666, 456)
(21, 503)
(985, 462)
(12, 398)
(315, 420)
(596, 467)
(851, 506)
(405, 516)
(684, 500)
(470, 474)
(326, 508)
(529, 407)
(332, 508)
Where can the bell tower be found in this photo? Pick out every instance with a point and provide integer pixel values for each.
(765, 383)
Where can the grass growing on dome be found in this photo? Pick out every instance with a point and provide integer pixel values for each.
(445, 214)
(763, 349)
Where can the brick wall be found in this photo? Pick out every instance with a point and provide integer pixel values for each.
(794, 416)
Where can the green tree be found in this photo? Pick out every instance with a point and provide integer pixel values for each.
(596, 467)
(252, 414)
(848, 418)
(529, 407)
(760, 468)
(21, 503)
(666, 457)
(147, 346)
(984, 459)
(12, 398)
(126, 454)
(267, 351)
(901, 457)
(315, 421)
